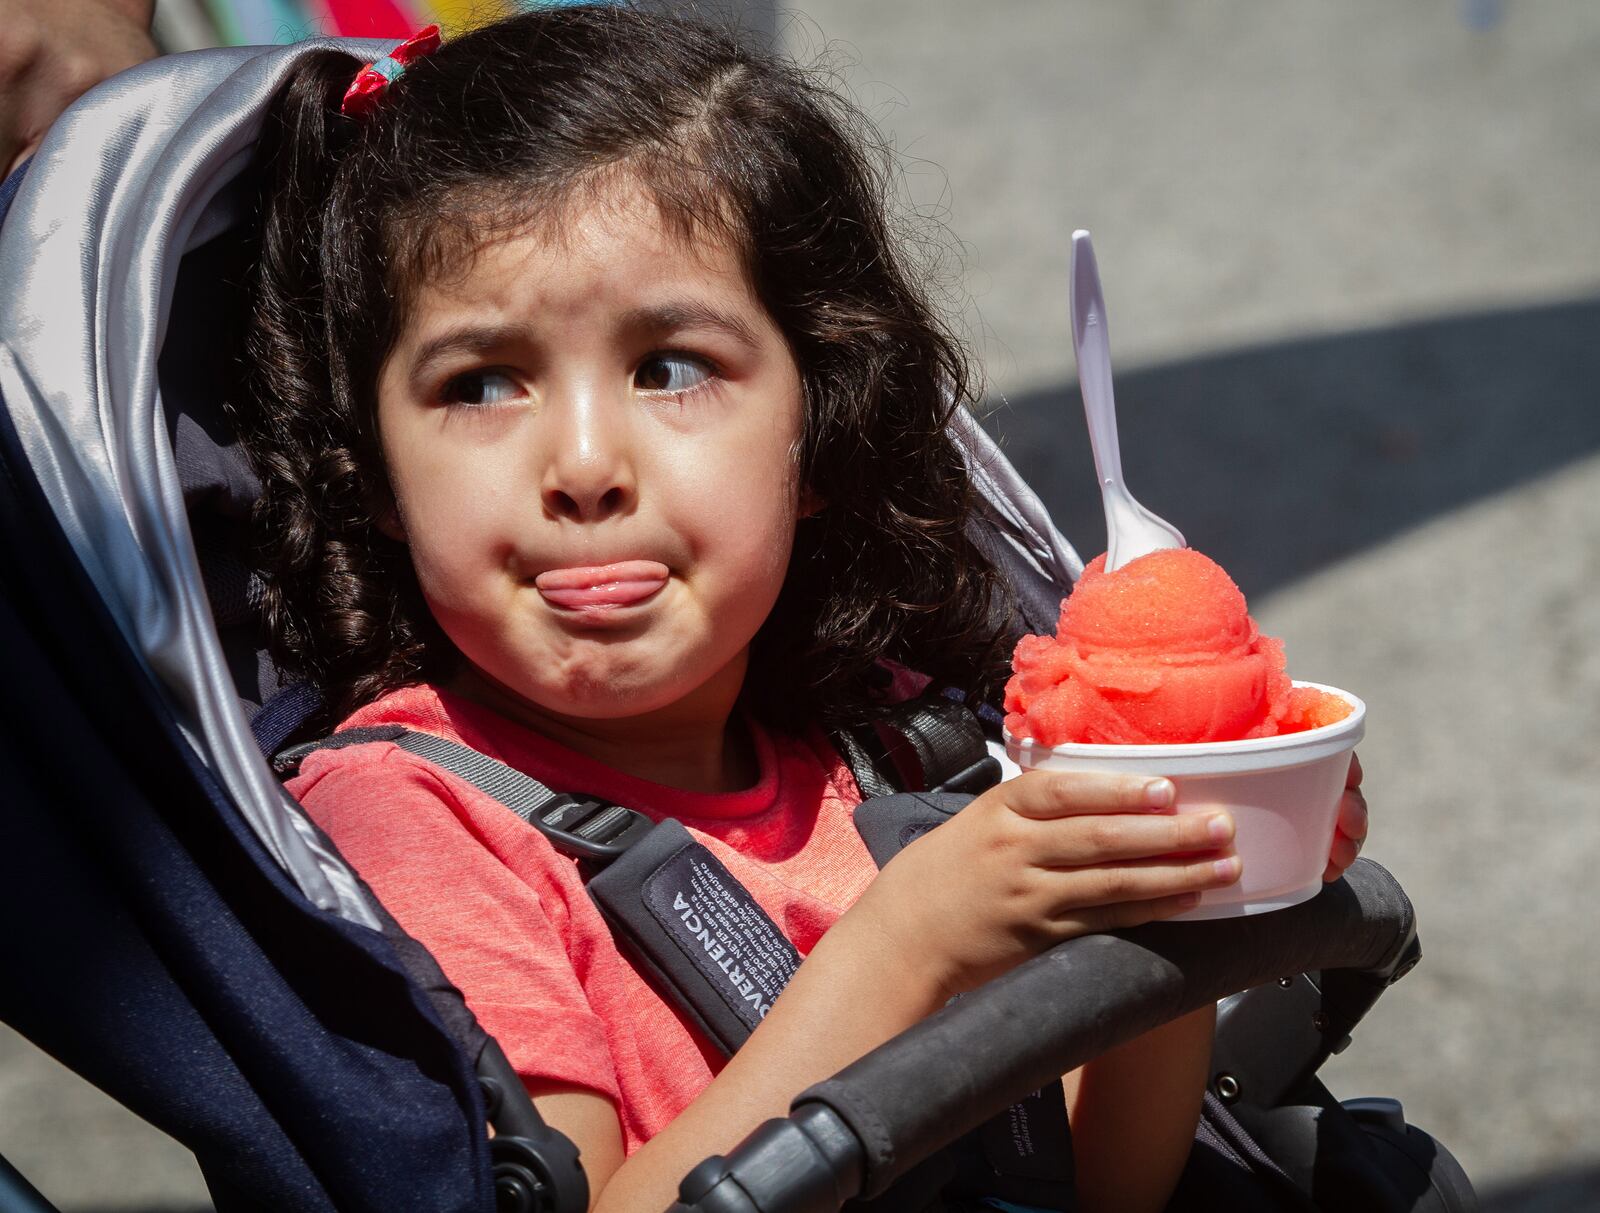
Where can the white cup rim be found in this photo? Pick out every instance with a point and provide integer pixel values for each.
(1326, 738)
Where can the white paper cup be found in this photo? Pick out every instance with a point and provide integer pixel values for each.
(1283, 793)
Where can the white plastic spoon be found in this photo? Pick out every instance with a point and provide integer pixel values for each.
(1131, 530)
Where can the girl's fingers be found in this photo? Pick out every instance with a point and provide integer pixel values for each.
(1352, 828)
(1047, 794)
(1353, 815)
(1081, 841)
(1345, 850)
(1080, 890)
(1125, 914)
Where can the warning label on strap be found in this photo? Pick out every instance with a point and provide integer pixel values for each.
(726, 936)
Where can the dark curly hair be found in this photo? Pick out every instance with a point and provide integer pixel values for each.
(499, 129)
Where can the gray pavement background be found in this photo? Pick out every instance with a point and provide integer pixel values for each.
(1352, 264)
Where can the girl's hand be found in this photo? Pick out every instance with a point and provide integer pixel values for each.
(1351, 831)
(1040, 859)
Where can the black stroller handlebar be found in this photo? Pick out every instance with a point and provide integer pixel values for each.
(856, 1133)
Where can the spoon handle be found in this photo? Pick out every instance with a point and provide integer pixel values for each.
(1093, 349)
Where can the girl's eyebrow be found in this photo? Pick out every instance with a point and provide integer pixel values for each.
(467, 338)
(690, 314)
(658, 318)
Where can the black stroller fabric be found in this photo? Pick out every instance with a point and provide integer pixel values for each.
(158, 951)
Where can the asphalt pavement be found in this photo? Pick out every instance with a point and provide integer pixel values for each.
(1352, 266)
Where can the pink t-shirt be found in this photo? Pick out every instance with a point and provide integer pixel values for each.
(508, 919)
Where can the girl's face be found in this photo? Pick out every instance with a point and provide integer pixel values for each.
(591, 441)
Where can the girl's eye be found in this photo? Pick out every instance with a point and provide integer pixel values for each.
(478, 389)
(670, 373)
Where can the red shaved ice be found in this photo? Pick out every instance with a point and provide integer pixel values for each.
(1161, 652)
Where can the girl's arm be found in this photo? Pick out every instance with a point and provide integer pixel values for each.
(1146, 1092)
(849, 996)
(1040, 859)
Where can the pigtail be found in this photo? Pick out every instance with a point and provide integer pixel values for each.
(336, 589)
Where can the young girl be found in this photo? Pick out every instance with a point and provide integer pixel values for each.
(603, 431)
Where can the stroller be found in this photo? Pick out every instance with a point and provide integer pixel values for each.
(184, 938)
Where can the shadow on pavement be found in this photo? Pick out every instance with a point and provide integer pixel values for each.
(1281, 459)
(1574, 1191)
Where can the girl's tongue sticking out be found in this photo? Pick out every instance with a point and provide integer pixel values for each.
(606, 586)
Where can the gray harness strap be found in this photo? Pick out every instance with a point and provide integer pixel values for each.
(583, 827)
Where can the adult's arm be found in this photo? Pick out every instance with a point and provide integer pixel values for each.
(52, 52)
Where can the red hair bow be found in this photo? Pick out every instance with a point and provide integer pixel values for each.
(362, 95)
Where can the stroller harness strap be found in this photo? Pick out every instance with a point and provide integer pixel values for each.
(934, 743)
(585, 828)
(691, 926)
(674, 908)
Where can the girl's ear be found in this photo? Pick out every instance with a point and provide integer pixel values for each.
(389, 524)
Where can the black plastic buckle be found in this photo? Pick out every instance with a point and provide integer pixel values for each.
(595, 831)
(286, 763)
(978, 777)
(536, 1168)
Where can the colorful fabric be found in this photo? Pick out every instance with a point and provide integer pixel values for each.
(188, 24)
(509, 920)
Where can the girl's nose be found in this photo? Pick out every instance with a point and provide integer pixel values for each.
(590, 474)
